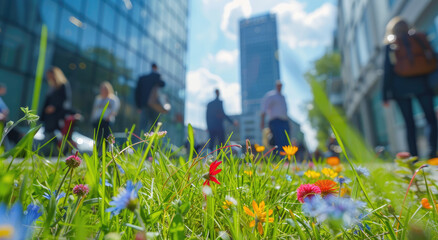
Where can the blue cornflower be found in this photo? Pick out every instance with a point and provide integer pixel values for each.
(48, 195)
(15, 224)
(107, 183)
(362, 171)
(127, 198)
(288, 178)
(120, 169)
(315, 207)
(341, 180)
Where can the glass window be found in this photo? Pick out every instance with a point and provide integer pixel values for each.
(15, 48)
(120, 55)
(49, 10)
(134, 38)
(131, 64)
(18, 11)
(3, 7)
(122, 29)
(89, 39)
(76, 4)
(109, 17)
(70, 26)
(392, 2)
(105, 50)
(92, 10)
(362, 44)
(14, 83)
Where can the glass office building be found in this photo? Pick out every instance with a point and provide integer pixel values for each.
(259, 69)
(94, 41)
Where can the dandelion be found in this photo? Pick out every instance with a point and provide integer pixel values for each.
(307, 191)
(333, 161)
(327, 187)
(312, 174)
(289, 151)
(259, 148)
(249, 173)
(213, 171)
(259, 215)
(362, 171)
(329, 172)
(127, 198)
(73, 161)
(229, 202)
(80, 190)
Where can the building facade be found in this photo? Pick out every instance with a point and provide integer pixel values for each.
(94, 41)
(359, 37)
(259, 69)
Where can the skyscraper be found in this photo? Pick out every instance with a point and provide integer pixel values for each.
(94, 41)
(259, 69)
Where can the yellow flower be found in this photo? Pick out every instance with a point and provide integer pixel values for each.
(345, 191)
(229, 202)
(6, 231)
(259, 215)
(259, 148)
(338, 168)
(433, 161)
(289, 151)
(249, 173)
(275, 167)
(312, 174)
(329, 172)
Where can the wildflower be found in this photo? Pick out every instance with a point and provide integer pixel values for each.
(81, 190)
(313, 207)
(425, 203)
(300, 173)
(341, 180)
(206, 190)
(16, 224)
(338, 168)
(289, 151)
(362, 171)
(49, 195)
(333, 161)
(275, 167)
(345, 191)
(433, 161)
(403, 155)
(229, 202)
(249, 173)
(120, 169)
(288, 178)
(307, 191)
(213, 171)
(327, 187)
(259, 215)
(107, 183)
(329, 172)
(127, 198)
(312, 174)
(73, 161)
(259, 148)
(160, 134)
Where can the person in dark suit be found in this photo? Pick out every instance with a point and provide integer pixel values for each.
(143, 92)
(215, 121)
(404, 89)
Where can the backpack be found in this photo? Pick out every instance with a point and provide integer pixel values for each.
(414, 56)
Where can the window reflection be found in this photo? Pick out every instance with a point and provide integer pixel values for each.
(109, 17)
(69, 27)
(92, 10)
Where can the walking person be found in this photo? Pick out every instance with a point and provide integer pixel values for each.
(105, 97)
(57, 103)
(275, 109)
(215, 121)
(407, 57)
(146, 98)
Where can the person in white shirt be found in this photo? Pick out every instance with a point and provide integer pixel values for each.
(275, 109)
(106, 96)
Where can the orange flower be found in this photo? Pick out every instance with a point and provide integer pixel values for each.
(425, 203)
(259, 148)
(289, 151)
(328, 187)
(433, 161)
(259, 215)
(333, 161)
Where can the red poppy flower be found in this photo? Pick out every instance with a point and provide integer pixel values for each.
(213, 171)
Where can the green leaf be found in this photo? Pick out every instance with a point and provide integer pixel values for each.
(24, 144)
(176, 229)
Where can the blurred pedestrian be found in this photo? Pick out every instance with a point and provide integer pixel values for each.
(409, 58)
(57, 103)
(274, 106)
(147, 100)
(215, 122)
(105, 97)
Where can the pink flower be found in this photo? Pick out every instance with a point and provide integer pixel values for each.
(81, 190)
(73, 161)
(403, 155)
(307, 190)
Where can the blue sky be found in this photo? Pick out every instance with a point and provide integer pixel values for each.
(305, 31)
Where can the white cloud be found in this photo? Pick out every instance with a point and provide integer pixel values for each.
(233, 11)
(224, 57)
(200, 87)
(299, 28)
